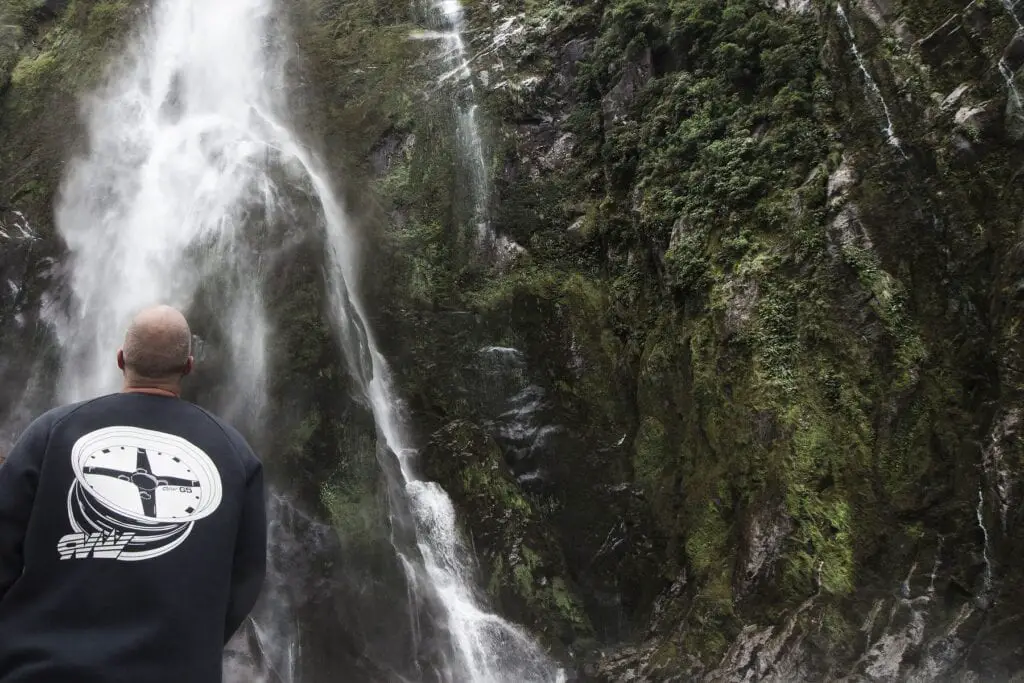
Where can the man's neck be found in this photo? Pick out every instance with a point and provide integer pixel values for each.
(154, 390)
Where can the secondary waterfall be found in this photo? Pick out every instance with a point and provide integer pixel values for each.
(888, 130)
(446, 16)
(190, 163)
(447, 21)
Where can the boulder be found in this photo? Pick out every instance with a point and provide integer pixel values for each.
(49, 9)
(1013, 55)
(977, 121)
(615, 105)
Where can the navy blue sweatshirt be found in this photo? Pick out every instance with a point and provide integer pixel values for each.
(132, 543)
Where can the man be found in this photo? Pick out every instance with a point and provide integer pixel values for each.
(132, 529)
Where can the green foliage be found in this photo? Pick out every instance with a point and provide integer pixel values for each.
(735, 121)
(822, 542)
(723, 163)
(430, 276)
(706, 544)
(651, 453)
(363, 63)
(32, 73)
(11, 37)
(350, 495)
(68, 57)
(543, 594)
(107, 20)
(19, 12)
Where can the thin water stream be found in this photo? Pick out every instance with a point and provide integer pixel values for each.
(446, 19)
(888, 130)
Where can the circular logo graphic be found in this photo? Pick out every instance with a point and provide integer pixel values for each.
(151, 485)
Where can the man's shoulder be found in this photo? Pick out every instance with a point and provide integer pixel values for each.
(57, 414)
(40, 428)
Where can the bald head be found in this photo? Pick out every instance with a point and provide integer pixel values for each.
(157, 346)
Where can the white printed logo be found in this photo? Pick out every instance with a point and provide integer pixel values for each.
(137, 494)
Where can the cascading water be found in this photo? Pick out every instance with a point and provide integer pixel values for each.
(162, 201)
(1011, 9)
(179, 191)
(17, 228)
(446, 17)
(979, 514)
(889, 130)
(447, 21)
(484, 647)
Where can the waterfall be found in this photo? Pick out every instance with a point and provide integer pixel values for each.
(1011, 9)
(1015, 102)
(162, 201)
(447, 20)
(980, 515)
(888, 130)
(446, 16)
(190, 160)
(485, 648)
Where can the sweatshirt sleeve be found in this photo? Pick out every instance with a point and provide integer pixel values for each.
(250, 563)
(19, 476)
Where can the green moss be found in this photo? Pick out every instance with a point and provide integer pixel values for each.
(350, 510)
(707, 543)
(33, 72)
(428, 277)
(18, 12)
(650, 450)
(32, 190)
(501, 495)
(568, 604)
(364, 62)
(305, 430)
(547, 594)
(11, 37)
(107, 20)
(837, 628)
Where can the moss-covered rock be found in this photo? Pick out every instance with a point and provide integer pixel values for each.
(776, 310)
(523, 567)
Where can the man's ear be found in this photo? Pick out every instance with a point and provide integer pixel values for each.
(120, 359)
(189, 364)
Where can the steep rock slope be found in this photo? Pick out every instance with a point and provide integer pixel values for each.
(765, 311)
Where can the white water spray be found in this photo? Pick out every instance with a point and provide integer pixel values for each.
(17, 229)
(447, 17)
(935, 567)
(888, 130)
(448, 20)
(1016, 101)
(162, 202)
(180, 186)
(980, 514)
(173, 195)
(1011, 9)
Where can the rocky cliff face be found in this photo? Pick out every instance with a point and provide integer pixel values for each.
(736, 394)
